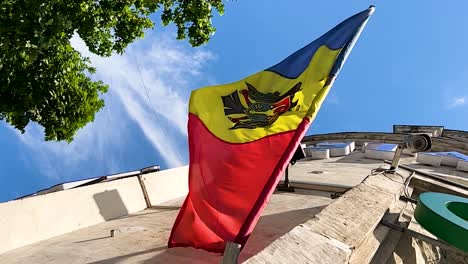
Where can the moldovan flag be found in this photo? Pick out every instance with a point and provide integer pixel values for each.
(242, 135)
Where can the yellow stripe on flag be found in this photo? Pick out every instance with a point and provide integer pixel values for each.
(207, 103)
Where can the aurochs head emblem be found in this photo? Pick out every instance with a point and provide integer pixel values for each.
(262, 109)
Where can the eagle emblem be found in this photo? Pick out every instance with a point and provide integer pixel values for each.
(262, 109)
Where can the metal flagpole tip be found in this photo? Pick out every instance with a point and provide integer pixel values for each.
(371, 9)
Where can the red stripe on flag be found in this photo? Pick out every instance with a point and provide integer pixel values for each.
(270, 186)
(229, 185)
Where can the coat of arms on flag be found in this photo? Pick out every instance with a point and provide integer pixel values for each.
(259, 109)
(242, 135)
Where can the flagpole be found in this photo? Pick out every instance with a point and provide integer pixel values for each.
(231, 253)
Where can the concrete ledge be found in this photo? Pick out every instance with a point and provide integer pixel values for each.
(455, 134)
(462, 165)
(449, 161)
(338, 152)
(456, 143)
(44, 216)
(337, 149)
(340, 229)
(291, 248)
(166, 185)
(317, 153)
(352, 146)
(429, 159)
(378, 154)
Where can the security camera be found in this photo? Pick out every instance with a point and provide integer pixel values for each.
(414, 143)
(417, 143)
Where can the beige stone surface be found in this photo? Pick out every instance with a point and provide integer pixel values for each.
(142, 237)
(449, 173)
(29, 220)
(348, 223)
(338, 231)
(68, 226)
(166, 185)
(348, 170)
(462, 165)
(302, 246)
(359, 211)
(411, 250)
(454, 142)
(36, 218)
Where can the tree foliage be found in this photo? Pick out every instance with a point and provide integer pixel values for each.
(45, 80)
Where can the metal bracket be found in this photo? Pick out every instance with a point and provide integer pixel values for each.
(396, 158)
(408, 199)
(231, 253)
(285, 187)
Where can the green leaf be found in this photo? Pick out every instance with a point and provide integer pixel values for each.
(44, 80)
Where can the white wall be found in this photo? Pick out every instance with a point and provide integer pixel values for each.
(40, 217)
(166, 185)
(29, 220)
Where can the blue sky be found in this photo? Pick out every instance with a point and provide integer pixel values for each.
(408, 67)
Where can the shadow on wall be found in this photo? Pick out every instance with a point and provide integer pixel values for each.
(110, 204)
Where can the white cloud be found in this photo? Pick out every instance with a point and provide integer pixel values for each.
(166, 68)
(454, 92)
(457, 101)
